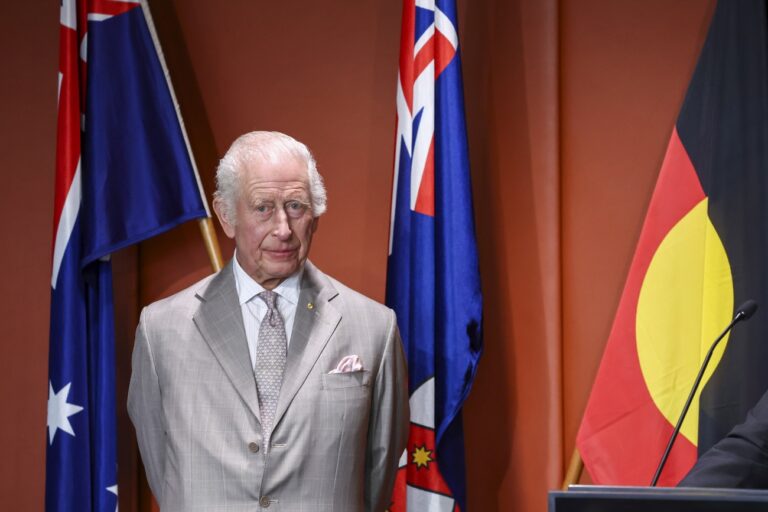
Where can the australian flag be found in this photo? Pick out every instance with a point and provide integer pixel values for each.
(123, 174)
(433, 281)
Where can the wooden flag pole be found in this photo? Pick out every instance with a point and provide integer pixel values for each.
(575, 469)
(211, 243)
(206, 224)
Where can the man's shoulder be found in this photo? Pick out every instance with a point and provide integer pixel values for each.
(354, 300)
(353, 296)
(186, 301)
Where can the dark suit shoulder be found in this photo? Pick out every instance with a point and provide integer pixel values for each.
(738, 460)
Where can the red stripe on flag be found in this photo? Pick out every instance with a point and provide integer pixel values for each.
(110, 7)
(444, 52)
(407, 42)
(425, 57)
(68, 120)
(425, 199)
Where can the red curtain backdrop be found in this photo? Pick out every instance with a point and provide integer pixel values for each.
(569, 106)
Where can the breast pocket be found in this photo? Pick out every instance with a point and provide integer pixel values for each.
(332, 381)
(351, 389)
(346, 402)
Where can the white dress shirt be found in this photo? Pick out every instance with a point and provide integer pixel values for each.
(255, 309)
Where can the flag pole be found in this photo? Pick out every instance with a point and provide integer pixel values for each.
(207, 230)
(575, 468)
(211, 243)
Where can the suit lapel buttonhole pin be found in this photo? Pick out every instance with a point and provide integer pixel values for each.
(310, 305)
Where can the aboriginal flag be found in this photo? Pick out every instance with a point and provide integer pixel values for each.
(703, 250)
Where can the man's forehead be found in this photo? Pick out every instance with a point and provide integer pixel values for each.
(277, 189)
(259, 185)
(287, 168)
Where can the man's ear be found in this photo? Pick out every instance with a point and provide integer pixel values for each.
(315, 222)
(226, 224)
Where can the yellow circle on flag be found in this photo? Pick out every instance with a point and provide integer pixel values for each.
(685, 301)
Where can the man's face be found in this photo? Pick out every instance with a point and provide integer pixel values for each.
(274, 224)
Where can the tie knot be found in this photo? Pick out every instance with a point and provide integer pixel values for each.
(270, 298)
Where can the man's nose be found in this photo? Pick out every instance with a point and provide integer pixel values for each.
(282, 229)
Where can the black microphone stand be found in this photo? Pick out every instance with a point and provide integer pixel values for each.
(744, 312)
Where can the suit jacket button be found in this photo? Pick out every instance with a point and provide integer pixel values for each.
(254, 447)
(264, 501)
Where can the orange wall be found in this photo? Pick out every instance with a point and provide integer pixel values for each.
(29, 40)
(569, 106)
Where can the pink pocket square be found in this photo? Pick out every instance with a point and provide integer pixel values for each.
(349, 364)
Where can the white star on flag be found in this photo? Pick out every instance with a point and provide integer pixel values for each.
(113, 490)
(59, 411)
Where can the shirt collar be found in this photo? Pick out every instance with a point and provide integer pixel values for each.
(247, 288)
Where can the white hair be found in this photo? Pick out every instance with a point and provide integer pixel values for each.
(270, 147)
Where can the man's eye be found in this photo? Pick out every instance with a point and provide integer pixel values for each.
(295, 209)
(263, 210)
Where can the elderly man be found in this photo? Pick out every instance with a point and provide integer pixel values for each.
(269, 384)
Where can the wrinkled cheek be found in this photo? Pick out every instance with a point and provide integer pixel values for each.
(248, 255)
(306, 243)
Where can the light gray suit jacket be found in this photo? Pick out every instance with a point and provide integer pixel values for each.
(337, 437)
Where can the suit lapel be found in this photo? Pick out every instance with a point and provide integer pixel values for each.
(316, 320)
(220, 321)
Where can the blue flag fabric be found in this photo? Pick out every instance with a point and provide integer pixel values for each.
(81, 470)
(134, 151)
(433, 282)
(125, 177)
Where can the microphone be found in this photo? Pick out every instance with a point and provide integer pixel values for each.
(744, 312)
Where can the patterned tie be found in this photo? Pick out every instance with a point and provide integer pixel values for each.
(270, 361)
